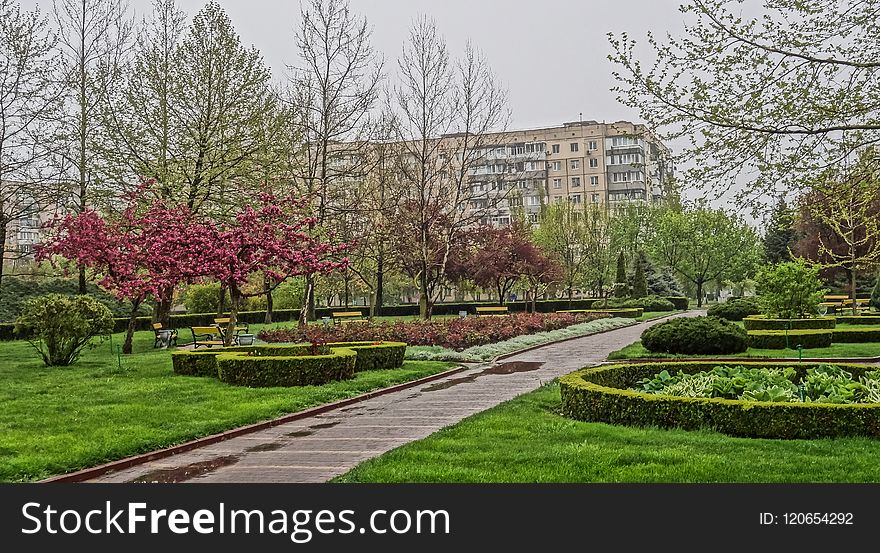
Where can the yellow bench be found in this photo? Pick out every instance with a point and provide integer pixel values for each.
(490, 311)
(166, 336)
(206, 336)
(348, 317)
(223, 322)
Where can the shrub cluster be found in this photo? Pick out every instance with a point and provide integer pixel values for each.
(860, 320)
(735, 309)
(763, 323)
(601, 394)
(781, 339)
(679, 302)
(457, 334)
(695, 335)
(648, 303)
(17, 290)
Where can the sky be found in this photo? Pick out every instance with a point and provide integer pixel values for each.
(552, 56)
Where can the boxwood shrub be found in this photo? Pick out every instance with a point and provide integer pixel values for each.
(600, 395)
(649, 303)
(679, 302)
(763, 323)
(695, 335)
(860, 320)
(856, 335)
(777, 339)
(203, 362)
(256, 371)
(735, 309)
(375, 355)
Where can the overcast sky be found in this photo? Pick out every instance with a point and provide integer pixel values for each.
(551, 55)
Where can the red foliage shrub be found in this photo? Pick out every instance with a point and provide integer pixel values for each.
(457, 334)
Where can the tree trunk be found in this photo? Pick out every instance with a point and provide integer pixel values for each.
(535, 299)
(424, 301)
(699, 295)
(82, 280)
(380, 277)
(2, 251)
(308, 296)
(347, 290)
(132, 325)
(267, 288)
(234, 304)
(163, 308)
(310, 279)
(852, 286)
(221, 303)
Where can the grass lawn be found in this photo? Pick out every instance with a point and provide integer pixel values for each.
(56, 420)
(526, 440)
(655, 315)
(636, 351)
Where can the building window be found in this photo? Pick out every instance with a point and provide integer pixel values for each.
(557, 183)
(574, 146)
(575, 198)
(534, 200)
(534, 147)
(558, 199)
(595, 198)
(575, 164)
(575, 181)
(556, 166)
(628, 176)
(594, 162)
(624, 141)
(594, 180)
(515, 202)
(593, 145)
(555, 148)
(533, 217)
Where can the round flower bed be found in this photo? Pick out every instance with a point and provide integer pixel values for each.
(604, 394)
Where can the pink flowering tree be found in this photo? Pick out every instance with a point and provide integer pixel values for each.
(141, 253)
(273, 238)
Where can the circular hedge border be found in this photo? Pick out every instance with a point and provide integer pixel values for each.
(763, 323)
(600, 394)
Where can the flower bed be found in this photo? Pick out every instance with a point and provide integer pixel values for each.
(457, 334)
(603, 394)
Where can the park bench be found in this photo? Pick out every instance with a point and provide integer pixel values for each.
(491, 311)
(208, 336)
(839, 303)
(164, 336)
(240, 327)
(340, 317)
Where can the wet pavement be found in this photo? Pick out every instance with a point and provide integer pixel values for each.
(319, 448)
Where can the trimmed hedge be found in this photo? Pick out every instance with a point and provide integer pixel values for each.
(762, 323)
(374, 355)
(860, 320)
(856, 335)
(735, 309)
(600, 395)
(776, 339)
(695, 335)
(679, 302)
(623, 313)
(649, 303)
(259, 371)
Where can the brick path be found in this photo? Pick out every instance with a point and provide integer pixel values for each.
(327, 445)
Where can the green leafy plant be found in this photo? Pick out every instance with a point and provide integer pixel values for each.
(790, 290)
(59, 327)
(735, 309)
(696, 335)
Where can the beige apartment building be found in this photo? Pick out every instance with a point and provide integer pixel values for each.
(583, 162)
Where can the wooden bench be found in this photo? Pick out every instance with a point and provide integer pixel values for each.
(162, 338)
(206, 336)
(491, 311)
(340, 317)
(240, 327)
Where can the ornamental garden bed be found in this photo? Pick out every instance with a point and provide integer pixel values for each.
(616, 394)
(456, 334)
(289, 365)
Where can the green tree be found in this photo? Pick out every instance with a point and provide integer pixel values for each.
(766, 94)
(702, 245)
(59, 327)
(790, 290)
(781, 235)
(620, 287)
(639, 281)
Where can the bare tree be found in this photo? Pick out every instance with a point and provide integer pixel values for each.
(335, 89)
(448, 112)
(94, 36)
(29, 100)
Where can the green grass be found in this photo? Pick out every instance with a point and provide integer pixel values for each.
(655, 315)
(526, 440)
(56, 420)
(637, 351)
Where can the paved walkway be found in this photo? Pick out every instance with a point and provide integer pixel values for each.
(327, 445)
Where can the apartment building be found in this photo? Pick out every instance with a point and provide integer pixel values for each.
(584, 162)
(28, 212)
